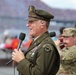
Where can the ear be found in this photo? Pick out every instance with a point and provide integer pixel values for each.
(75, 38)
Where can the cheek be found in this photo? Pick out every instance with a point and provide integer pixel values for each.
(36, 28)
(33, 31)
(69, 42)
(66, 41)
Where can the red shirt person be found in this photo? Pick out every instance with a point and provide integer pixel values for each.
(13, 44)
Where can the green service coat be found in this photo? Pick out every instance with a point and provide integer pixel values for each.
(41, 58)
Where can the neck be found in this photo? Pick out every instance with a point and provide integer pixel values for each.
(40, 34)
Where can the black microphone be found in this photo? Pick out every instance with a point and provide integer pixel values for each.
(21, 38)
(52, 34)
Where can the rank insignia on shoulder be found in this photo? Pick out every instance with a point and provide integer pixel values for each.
(71, 55)
(47, 47)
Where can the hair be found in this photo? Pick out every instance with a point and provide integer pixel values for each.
(75, 26)
(61, 30)
(47, 24)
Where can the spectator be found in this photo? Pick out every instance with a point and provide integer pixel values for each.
(68, 54)
(13, 44)
(59, 40)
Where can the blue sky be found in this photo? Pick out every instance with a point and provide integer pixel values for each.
(63, 4)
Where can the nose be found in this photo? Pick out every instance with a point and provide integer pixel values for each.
(27, 25)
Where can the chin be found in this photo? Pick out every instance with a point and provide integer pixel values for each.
(31, 35)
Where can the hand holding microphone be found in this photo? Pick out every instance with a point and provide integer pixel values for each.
(17, 55)
(17, 51)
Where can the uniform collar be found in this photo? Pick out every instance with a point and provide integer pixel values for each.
(38, 40)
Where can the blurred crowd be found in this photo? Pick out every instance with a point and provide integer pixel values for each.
(10, 42)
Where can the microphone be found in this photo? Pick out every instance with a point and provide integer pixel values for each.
(52, 34)
(21, 38)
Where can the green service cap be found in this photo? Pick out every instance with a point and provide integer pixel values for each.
(35, 14)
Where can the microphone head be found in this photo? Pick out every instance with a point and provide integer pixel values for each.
(52, 34)
(22, 36)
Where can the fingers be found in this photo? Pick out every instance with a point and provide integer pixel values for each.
(14, 54)
(15, 50)
(17, 55)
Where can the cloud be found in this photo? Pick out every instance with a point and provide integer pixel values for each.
(64, 4)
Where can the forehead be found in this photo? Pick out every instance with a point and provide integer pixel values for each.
(34, 22)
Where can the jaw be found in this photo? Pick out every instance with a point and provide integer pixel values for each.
(31, 32)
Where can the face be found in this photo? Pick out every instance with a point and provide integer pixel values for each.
(35, 28)
(68, 41)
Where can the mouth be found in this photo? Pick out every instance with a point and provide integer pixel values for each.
(30, 29)
(65, 43)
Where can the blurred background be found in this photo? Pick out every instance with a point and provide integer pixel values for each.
(14, 12)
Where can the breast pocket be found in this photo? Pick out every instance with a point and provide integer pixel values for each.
(32, 55)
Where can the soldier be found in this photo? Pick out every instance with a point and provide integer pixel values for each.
(68, 54)
(42, 57)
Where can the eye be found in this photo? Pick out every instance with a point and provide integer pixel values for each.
(67, 36)
(31, 21)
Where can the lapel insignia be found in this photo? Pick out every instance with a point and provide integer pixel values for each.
(33, 51)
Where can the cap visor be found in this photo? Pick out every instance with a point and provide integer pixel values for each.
(31, 19)
(65, 35)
